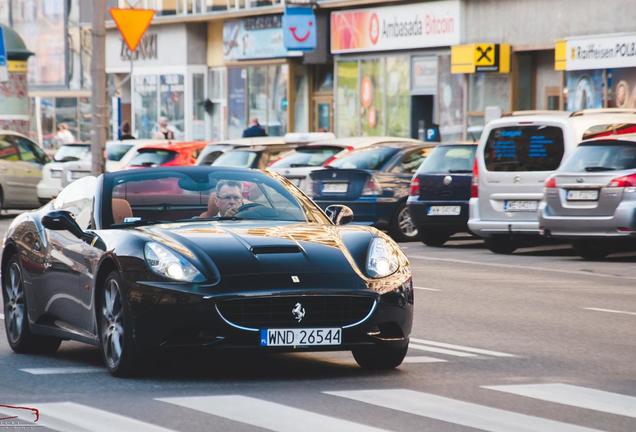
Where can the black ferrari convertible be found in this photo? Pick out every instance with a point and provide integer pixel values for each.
(141, 260)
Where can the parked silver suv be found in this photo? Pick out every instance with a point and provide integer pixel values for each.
(514, 157)
(591, 199)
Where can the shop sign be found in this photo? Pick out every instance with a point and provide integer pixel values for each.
(418, 25)
(146, 50)
(299, 28)
(482, 57)
(255, 38)
(599, 52)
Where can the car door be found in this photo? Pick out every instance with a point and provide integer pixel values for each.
(28, 170)
(70, 260)
(9, 181)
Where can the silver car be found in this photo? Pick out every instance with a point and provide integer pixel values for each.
(591, 199)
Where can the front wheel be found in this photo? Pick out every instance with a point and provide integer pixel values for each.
(402, 226)
(502, 245)
(380, 357)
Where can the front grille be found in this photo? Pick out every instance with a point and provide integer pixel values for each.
(320, 311)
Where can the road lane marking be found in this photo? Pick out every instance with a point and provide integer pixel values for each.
(267, 415)
(462, 348)
(62, 370)
(457, 412)
(521, 267)
(441, 350)
(72, 417)
(422, 359)
(581, 397)
(611, 311)
(427, 289)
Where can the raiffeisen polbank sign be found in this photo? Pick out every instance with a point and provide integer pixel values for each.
(596, 52)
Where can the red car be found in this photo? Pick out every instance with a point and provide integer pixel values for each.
(168, 154)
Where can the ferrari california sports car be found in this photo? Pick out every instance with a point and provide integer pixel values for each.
(142, 260)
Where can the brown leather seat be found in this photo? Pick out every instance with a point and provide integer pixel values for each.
(121, 210)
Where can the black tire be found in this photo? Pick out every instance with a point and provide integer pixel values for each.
(114, 327)
(434, 239)
(402, 228)
(501, 245)
(16, 321)
(380, 357)
(590, 250)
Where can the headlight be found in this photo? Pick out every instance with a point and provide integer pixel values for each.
(382, 260)
(170, 264)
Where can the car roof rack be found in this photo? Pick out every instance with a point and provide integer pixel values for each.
(603, 111)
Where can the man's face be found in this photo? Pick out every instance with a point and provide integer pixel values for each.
(229, 199)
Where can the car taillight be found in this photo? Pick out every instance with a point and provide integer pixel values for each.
(623, 182)
(550, 183)
(415, 187)
(371, 187)
(474, 186)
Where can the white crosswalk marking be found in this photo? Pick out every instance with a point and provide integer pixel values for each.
(457, 412)
(62, 370)
(441, 350)
(422, 359)
(267, 415)
(72, 417)
(462, 348)
(581, 397)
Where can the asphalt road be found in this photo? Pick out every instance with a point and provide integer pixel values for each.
(538, 341)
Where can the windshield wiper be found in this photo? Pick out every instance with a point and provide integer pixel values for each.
(140, 222)
(599, 168)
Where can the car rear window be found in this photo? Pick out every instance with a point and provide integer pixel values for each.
(449, 159)
(524, 148)
(153, 157)
(369, 159)
(306, 157)
(115, 152)
(602, 156)
(237, 159)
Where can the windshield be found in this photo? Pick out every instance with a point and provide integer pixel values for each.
(69, 153)
(602, 156)
(115, 152)
(449, 159)
(237, 158)
(369, 159)
(162, 196)
(152, 157)
(307, 157)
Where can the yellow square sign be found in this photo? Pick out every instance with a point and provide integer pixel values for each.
(485, 55)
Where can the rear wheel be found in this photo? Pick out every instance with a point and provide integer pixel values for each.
(591, 250)
(16, 322)
(380, 357)
(434, 239)
(402, 226)
(501, 245)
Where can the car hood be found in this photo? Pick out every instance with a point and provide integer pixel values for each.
(245, 250)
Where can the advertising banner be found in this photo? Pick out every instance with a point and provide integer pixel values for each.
(410, 26)
(255, 38)
(600, 52)
(299, 28)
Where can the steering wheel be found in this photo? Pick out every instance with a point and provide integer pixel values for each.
(248, 206)
(256, 211)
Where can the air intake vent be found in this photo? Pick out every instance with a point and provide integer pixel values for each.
(275, 249)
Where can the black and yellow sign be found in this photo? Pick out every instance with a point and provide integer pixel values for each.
(485, 57)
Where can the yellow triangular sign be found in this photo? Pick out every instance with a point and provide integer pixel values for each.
(132, 24)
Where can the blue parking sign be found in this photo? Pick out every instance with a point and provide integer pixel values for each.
(299, 29)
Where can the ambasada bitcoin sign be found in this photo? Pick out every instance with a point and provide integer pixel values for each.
(411, 26)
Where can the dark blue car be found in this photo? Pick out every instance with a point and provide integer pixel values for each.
(440, 192)
(374, 182)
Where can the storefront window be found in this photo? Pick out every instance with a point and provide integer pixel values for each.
(145, 94)
(585, 89)
(257, 85)
(372, 97)
(172, 103)
(621, 84)
(347, 99)
(301, 105)
(485, 90)
(85, 119)
(216, 92)
(66, 112)
(198, 109)
(450, 101)
(397, 96)
(236, 99)
(277, 118)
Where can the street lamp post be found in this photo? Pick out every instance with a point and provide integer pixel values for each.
(98, 74)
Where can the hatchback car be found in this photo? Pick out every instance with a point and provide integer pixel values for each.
(374, 182)
(21, 163)
(514, 157)
(591, 199)
(440, 192)
(167, 154)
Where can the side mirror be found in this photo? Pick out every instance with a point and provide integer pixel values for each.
(339, 214)
(61, 220)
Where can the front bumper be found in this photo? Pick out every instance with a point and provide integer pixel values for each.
(490, 228)
(424, 222)
(374, 211)
(173, 319)
(621, 224)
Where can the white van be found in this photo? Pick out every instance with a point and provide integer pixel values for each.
(514, 157)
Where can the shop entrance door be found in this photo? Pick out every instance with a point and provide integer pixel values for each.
(421, 115)
(323, 114)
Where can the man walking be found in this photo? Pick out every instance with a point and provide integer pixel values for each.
(254, 130)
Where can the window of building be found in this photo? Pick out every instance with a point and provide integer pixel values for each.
(172, 102)
(347, 104)
(198, 106)
(145, 103)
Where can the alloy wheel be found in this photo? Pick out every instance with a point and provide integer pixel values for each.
(14, 306)
(405, 223)
(112, 326)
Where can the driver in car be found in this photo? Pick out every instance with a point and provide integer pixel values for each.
(226, 201)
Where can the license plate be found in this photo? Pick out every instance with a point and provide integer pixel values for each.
(335, 187)
(582, 195)
(301, 337)
(444, 210)
(521, 206)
